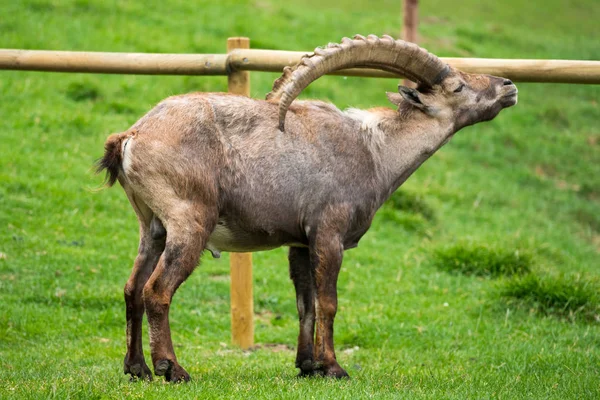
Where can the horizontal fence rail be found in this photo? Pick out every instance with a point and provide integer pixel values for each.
(551, 71)
(114, 63)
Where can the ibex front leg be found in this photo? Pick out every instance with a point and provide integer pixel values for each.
(326, 256)
(187, 234)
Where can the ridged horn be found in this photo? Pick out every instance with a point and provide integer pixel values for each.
(385, 53)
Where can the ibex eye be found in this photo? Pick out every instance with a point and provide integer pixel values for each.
(459, 89)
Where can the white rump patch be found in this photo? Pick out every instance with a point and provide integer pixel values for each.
(369, 125)
(126, 153)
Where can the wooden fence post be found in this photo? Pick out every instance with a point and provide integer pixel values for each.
(242, 302)
(411, 20)
(409, 27)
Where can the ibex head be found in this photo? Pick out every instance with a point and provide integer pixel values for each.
(463, 98)
(443, 91)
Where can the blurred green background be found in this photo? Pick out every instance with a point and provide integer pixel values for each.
(478, 279)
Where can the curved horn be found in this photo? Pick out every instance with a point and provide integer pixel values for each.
(384, 53)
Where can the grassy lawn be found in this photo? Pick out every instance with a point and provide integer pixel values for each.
(479, 279)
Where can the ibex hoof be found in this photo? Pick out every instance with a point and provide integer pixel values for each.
(306, 369)
(331, 371)
(138, 371)
(171, 371)
(337, 372)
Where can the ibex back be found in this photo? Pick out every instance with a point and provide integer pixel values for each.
(217, 172)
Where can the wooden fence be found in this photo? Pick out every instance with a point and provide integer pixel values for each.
(244, 59)
(235, 64)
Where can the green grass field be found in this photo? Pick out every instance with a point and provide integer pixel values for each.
(479, 279)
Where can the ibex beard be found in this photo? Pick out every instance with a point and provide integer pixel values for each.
(217, 172)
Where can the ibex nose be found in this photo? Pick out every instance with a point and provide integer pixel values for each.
(508, 82)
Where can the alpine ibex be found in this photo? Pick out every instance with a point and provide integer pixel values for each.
(224, 173)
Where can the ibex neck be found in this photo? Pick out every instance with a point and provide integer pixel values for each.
(410, 139)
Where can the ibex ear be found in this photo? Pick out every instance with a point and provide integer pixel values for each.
(413, 97)
(394, 98)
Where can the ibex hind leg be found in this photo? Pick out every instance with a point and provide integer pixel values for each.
(302, 274)
(152, 244)
(188, 232)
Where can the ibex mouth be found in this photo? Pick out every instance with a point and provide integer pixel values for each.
(509, 99)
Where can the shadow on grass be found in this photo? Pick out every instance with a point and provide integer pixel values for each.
(409, 202)
(82, 91)
(77, 302)
(482, 260)
(409, 211)
(572, 298)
